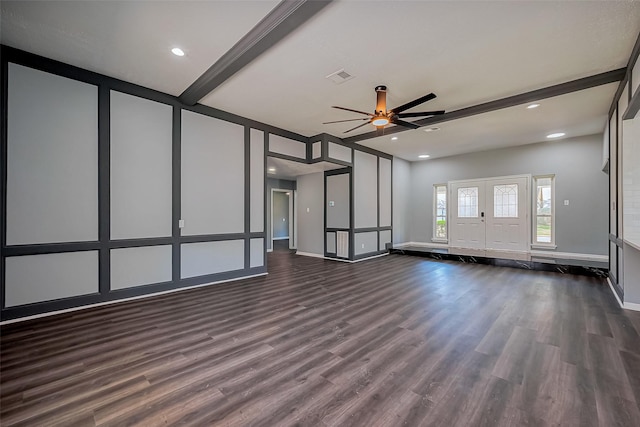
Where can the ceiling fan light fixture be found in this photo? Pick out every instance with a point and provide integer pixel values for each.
(380, 121)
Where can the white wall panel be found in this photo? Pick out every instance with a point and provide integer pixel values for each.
(199, 259)
(365, 170)
(212, 175)
(338, 193)
(140, 266)
(52, 158)
(290, 147)
(385, 192)
(256, 253)
(257, 180)
(331, 242)
(37, 278)
(141, 140)
(339, 152)
(366, 242)
(316, 150)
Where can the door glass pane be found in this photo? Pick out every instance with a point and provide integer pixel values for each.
(468, 202)
(505, 201)
(543, 229)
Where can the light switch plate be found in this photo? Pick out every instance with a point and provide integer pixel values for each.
(566, 203)
(332, 203)
(181, 223)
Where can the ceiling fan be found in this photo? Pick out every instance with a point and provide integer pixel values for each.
(382, 117)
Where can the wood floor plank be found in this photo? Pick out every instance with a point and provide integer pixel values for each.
(398, 340)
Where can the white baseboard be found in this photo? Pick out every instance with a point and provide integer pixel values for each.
(281, 238)
(309, 254)
(632, 306)
(270, 250)
(571, 255)
(100, 304)
(627, 305)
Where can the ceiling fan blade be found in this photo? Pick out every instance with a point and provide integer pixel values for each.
(359, 126)
(342, 121)
(413, 103)
(405, 124)
(353, 111)
(421, 113)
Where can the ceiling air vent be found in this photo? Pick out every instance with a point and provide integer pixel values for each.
(339, 76)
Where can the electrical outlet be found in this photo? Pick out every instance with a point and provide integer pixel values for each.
(363, 246)
(566, 202)
(181, 223)
(307, 210)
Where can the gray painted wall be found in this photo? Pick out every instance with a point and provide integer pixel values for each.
(366, 242)
(282, 184)
(338, 193)
(280, 215)
(401, 196)
(581, 227)
(311, 223)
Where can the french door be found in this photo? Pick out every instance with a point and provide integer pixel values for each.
(490, 214)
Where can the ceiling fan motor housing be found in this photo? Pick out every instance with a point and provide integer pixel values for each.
(381, 104)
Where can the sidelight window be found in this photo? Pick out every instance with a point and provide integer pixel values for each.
(544, 232)
(440, 212)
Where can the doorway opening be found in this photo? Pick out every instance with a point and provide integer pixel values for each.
(283, 219)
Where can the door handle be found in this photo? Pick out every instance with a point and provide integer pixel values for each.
(482, 214)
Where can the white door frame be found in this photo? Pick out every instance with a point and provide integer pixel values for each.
(528, 204)
(292, 215)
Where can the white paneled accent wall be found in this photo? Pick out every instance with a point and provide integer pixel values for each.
(339, 152)
(316, 151)
(140, 266)
(256, 253)
(366, 242)
(212, 175)
(52, 158)
(257, 180)
(141, 141)
(37, 278)
(200, 259)
(385, 192)
(289, 147)
(338, 199)
(365, 188)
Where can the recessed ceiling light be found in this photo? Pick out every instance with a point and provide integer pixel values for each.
(424, 156)
(288, 194)
(556, 135)
(394, 138)
(177, 51)
(433, 129)
(532, 106)
(272, 170)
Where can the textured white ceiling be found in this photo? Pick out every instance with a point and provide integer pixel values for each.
(465, 52)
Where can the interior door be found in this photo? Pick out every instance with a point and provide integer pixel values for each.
(467, 226)
(506, 214)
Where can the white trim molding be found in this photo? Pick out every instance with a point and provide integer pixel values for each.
(309, 254)
(627, 305)
(423, 245)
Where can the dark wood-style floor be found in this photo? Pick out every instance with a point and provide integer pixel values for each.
(392, 341)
